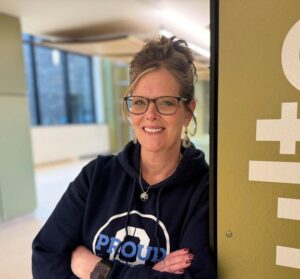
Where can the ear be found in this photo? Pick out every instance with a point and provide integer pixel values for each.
(188, 115)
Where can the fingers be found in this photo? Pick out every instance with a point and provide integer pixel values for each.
(176, 262)
(183, 251)
(177, 259)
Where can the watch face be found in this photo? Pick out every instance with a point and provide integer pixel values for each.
(290, 55)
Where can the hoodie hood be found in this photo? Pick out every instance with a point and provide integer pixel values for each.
(192, 164)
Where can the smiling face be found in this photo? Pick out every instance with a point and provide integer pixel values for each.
(157, 132)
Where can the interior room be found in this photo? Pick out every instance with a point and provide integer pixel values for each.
(60, 98)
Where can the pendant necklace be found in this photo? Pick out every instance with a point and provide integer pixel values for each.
(144, 196)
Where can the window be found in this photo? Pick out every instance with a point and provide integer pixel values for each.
(80, 88)
(30, 82)
(59, 85)
(50, 84)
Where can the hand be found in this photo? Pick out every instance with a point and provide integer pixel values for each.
(83, 262)
(176, 262)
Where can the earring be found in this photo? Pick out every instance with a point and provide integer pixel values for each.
(186, 142)
(134, 139)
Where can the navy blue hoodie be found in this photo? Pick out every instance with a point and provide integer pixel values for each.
(102, 210)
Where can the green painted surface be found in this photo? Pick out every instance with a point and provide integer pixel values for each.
(16, 169)
(252, 86)
(12, 78)
(17, 191)
(114, 86)
(120, 85)
(109, 101)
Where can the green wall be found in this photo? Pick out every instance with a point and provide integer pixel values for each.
(17, 192)
(115, 83)
(252, 87)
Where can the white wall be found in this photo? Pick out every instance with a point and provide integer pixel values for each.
(56, 143)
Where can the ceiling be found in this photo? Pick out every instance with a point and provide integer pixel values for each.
(110, 27)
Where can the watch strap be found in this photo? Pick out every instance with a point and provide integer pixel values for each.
(101, 270)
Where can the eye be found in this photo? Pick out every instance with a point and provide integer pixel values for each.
(139, 102)
(167, 102)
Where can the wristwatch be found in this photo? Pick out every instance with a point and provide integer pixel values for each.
(101, 270)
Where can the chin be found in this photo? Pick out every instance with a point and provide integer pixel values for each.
(152, 147)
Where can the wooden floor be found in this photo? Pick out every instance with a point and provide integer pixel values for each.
(16, 235)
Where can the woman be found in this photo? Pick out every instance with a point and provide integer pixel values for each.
(144, 212)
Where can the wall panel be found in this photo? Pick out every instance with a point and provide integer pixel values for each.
(17, 192)
(258, 126)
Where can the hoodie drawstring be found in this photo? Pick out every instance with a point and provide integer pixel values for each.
(119, 247)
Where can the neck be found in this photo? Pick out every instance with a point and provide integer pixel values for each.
(156, 167)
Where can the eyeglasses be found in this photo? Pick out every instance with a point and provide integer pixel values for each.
(164, 105)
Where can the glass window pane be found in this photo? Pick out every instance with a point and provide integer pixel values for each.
(51, 88)
(30, 83)
(26, 37)
(81, 95)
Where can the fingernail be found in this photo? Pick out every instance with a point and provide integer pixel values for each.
(188, 261)
(191, 256)
(186, 249)
(182, 270)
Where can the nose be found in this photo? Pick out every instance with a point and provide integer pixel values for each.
(151, 112)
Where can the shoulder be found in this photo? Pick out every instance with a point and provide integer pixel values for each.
(101, 162)
(200, 186)
(98, 166)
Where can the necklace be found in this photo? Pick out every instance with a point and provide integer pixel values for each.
(144, 195)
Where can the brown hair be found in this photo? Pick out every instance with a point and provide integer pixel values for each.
(175, 56)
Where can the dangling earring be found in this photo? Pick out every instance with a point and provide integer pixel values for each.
(186, 142)
(134, 139)
(132, 133)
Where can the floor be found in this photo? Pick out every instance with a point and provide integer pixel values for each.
(17, 234)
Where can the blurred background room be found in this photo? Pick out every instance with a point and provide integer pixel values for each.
(63, 72)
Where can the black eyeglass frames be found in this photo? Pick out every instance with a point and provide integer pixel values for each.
(164, 105)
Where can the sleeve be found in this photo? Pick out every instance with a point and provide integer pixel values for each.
(52, 247)
(195, 236)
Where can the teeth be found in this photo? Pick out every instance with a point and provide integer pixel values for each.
(153, 130)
